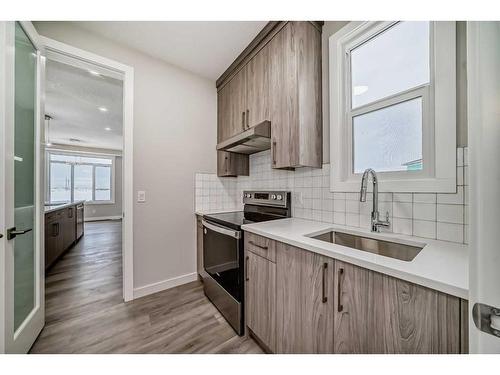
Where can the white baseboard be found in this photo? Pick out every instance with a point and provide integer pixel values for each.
(100, 218)
(164, 285)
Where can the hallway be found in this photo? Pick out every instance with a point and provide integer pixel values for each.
(85, 312)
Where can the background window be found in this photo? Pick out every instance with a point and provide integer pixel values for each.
(76, 177)
(60, 182)
(102, 183)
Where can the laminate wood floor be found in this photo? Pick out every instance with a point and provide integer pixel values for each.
(85, 312)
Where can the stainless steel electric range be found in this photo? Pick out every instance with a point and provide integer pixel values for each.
(223, 252)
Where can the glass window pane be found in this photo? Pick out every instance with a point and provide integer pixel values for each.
(25, 284)
(60, 182)
(83, 182)
(102, 183)
(394, 61)
(389, 139)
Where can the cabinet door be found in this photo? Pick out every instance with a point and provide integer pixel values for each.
(230, 164)
(352, 308)
(305, 300)
(237, 103)
(377, 313)
(283, 100)
(261, 299)
(199, 246)
(414, 319)
(257, 77)
(223, 114)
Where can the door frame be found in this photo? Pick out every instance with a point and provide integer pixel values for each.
(127, 73)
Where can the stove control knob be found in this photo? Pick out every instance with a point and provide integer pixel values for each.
(279, 197)
(273, 196)
(248, 195)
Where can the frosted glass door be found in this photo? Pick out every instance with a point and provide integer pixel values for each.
(24, 176)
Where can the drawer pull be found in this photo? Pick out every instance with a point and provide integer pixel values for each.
(246, 268)
(340, 308)
(259, 246)
(324, 299)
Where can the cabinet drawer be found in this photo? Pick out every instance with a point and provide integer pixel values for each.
(262, 246)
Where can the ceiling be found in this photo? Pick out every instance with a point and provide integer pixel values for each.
(73, 98)
(206, 48)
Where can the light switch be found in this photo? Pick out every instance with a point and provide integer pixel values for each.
(141, 196)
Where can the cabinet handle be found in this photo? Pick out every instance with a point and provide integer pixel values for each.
(259, 246)
(323, 285)
(246, 268)
(340, 308)
(54, 229)
(243, 120)
(248, 119)
(274, 152)
(70, 212)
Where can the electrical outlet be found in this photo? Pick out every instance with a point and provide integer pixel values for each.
(141, 196)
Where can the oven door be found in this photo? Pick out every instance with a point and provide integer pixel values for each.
(221, 257)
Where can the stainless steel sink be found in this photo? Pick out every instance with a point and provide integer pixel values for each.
(371, 245)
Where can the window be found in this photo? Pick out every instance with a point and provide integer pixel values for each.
(392, 92)
(80, 177)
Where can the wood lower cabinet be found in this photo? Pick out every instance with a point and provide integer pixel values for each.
(230, 164)
(305, 300)
(60, 233)
(199, 247)
(260, 294)
(376, 313)
(309, 303)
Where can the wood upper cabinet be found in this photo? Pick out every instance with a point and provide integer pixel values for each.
(305, 301)
(237, 103)
(261, 299)
(230, 164)
(376, 313)
(223, 114)
(257, 84)
(295, 96)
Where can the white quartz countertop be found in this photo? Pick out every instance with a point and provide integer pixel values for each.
(55, 207)
(440, 265)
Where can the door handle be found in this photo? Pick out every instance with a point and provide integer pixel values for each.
(243, 120)
(13, 232)
(248, 119)
(246, 268)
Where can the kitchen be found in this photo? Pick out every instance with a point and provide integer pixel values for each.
(326, 205)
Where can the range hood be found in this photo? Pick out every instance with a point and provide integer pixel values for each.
(255, 139)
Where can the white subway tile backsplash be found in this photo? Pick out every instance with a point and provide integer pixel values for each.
(403, 226)
(450, 232)
(410, 213)
(422, 228)
(450, 213)
(424, 198)
(402, 197)
(424, 211)
(402, 210)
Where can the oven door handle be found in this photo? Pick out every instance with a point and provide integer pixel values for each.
(228, 232)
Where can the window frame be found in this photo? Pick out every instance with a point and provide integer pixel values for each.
(438, 107)
(94, 165)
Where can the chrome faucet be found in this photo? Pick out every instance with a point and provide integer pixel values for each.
(375, 219)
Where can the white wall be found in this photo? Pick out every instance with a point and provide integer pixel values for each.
(174, 137)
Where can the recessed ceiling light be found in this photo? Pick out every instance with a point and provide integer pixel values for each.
(94, 73)
(358, 90)
(107, 128)
(103, 109)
